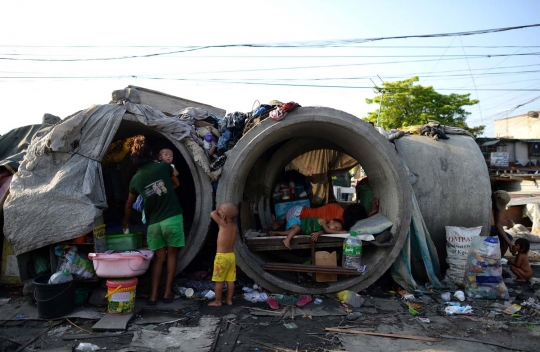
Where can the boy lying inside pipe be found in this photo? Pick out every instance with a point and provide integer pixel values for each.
(348, 217)
(310, 226)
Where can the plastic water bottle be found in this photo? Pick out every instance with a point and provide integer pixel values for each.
(352, 252)
(292, 188)
(61, 277)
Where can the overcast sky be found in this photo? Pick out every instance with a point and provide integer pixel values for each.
(499, 69)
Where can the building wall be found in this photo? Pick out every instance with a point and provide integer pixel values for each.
(509, 148)
(522, 152)
(523, 127)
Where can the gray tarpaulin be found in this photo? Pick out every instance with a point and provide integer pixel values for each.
(58, 191)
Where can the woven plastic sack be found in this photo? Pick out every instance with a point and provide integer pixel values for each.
(458, 242)
(483, 275)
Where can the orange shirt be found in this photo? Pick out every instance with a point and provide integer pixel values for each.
(328, 212)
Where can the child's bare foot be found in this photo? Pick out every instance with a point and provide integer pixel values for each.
(214, 304)
(287, 243)
(229, 303)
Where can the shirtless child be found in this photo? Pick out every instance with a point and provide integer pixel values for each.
(521, 267)
(225, 262)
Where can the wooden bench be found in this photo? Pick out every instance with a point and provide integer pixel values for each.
(275, 243)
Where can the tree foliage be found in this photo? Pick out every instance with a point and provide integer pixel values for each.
(405, 103)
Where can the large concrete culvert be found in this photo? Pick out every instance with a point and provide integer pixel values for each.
(452, 187)
(196, 190)
(274, 144)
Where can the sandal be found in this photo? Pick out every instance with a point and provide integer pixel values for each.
(168, 300)
(303, 301)
(273, 303)
(151, 303)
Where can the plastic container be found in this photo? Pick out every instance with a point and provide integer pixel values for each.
(124, 264)
(292, 190)
(354, 300)
(285, 194)
(299, 189)
(54, 300)
(81, 239)
(121, 295)
(124, 242)
(60, 277)
(352, 252)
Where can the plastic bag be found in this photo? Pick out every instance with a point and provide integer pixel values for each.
(458, 242)
(483, 275)
(74, 262)
(458, 309)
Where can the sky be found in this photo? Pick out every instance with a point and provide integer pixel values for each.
(322, 68)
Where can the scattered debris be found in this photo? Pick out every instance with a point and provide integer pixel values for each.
(514, 308)
(478, 341)
(411, 337)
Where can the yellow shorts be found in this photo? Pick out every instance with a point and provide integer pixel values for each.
(224, 268)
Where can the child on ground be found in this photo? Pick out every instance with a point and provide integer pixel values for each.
(225, 262)
(521, 267)
(166, 155)
(313, 226)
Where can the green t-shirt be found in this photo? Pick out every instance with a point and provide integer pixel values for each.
(153, 182)
(310, 225)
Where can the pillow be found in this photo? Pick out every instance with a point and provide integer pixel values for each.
(372, 225)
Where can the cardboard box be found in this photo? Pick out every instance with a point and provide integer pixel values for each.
(324, 258)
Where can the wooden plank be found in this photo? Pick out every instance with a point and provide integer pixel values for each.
(227, 340)
(281, 247)
(309, 269)
(299, 239)
(397, 336)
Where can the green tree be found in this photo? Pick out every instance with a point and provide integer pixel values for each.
(406, 104)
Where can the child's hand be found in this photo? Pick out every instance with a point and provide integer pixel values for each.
(315, 236)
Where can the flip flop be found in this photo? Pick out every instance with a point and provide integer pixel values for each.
(273, 303)
(168, 300)
(304, 300)
(151, 303)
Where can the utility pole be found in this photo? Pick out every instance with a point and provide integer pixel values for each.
(382, 99)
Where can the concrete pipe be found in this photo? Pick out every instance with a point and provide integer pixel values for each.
(271, 145)
(452, 188)
(195, 187)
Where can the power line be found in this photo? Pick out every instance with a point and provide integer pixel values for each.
(313, 44)
(472, 56)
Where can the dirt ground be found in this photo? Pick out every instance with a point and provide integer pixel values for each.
(190, 325)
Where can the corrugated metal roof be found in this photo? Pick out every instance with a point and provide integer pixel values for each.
(530, 140)
(485, 144)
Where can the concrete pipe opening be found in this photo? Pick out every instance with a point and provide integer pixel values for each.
(194, 193)
(265, 150)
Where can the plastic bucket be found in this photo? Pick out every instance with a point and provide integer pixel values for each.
(121, 295)
(54, 300)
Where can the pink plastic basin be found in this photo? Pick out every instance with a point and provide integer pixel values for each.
(125, 264)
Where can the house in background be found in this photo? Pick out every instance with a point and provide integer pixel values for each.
(513, 161)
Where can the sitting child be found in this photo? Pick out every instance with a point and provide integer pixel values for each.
(521, 267)
(310, 226)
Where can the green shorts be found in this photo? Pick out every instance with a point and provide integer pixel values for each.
(169, 232)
